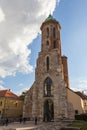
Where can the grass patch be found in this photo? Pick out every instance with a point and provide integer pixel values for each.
(81, 124)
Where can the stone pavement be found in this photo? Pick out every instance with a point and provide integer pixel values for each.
(29, 125)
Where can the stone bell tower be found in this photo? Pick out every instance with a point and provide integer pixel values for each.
(47, 98)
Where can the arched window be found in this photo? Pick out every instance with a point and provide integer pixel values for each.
(47, 87)
(47, 63)
(47, 32)
(54, 33)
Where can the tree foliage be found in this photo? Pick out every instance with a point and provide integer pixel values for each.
(22, 96)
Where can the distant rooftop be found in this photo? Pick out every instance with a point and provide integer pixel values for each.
(82, 95)
(7, 93)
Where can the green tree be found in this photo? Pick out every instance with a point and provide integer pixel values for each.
(22, 96)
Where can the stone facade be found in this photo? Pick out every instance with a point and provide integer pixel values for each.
(49, 95)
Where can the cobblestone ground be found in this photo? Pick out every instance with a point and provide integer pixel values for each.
(50, 126)
(31, 126)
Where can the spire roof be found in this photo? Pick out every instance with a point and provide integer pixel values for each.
(50, 17)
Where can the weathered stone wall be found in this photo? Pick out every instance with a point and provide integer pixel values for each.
(51, 48)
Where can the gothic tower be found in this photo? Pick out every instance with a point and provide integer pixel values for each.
(47, 98)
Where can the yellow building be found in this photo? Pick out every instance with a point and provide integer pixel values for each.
(10, 104)
(78, 100)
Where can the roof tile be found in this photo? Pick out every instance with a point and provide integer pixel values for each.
(7, 93)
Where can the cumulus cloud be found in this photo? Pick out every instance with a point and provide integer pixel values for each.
(80, 85)
(2, 87)
(20, 21)
(2, 16)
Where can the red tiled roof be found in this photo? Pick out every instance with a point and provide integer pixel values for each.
(82, 95)
(7, 93)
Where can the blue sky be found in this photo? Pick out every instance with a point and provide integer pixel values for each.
(21, 40)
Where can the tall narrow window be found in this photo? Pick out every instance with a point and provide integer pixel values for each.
(54, 34)
(16, 104)
(47, 87)
(0, 103)
(47, 63)
(54, 44)
(47, 43)
(76, 112)
(47, 32)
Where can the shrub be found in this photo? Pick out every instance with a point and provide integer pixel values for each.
(81, 117)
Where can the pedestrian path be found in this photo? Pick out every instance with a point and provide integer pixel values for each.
(18, 126)
(29, 125)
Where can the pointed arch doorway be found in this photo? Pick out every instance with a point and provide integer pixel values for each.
(48, 110)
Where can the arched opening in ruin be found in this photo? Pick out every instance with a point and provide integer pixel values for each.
(48, 110)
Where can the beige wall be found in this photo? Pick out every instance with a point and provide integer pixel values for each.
(11, 107)
(1, 105)
(85, 105)
(77, 102)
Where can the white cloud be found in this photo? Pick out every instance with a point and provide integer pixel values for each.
(19, 24)
(2, 87)
(80, 85)
(2, 16)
